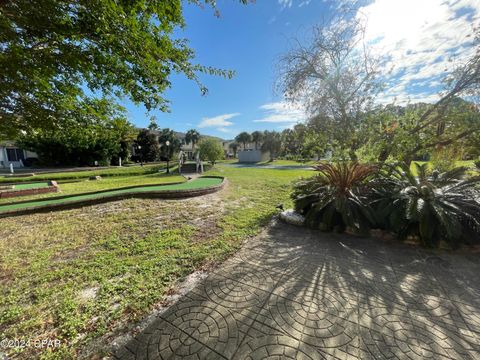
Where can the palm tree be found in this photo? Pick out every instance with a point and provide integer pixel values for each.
(244, 138)
(257, 137)
(192, 137)
(234, 147)
(272, 142)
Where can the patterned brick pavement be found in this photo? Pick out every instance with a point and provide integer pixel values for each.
(293, 293)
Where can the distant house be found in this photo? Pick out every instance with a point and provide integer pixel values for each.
(250, 153)
(12, 154)
(229, 152)
(226, 148)
(253, 156)
(188, 148)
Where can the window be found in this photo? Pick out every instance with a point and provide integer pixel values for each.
(15, 154)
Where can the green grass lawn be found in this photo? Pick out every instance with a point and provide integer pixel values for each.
(288, 163)
(275, 162)
(79, 275)
(467, 163)
(228, 161)
(72, 175)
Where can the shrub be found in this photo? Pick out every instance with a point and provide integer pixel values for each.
(337, 198)
(211, 150)
(440, 206)
(444, 159)
(477, 164)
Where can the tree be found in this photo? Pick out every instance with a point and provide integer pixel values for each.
(389, 132)
(52, 49)
(472, 145)
(126, 136)
(335, 78)
(192, 137)
(297, 140)
(234, 147)
(146, 146)
(257, 137)
(97, 130)
(211, 150)
(421, 128)
(244, 138)
(168, 151)
(272, 142)
(314, 145)
(462, 81)
(153, 124)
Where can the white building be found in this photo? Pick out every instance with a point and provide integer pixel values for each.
(229, 152)
(11, 154)
(253, 156)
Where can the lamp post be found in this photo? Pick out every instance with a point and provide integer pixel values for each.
(139, 147)
(167, 144)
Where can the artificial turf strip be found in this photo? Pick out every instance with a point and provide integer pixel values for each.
(199, 183)
(29, 186)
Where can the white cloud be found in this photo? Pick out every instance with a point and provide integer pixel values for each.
(224, 130)
(285, 3)
(219, 122)
(289, 3)
(420, 39)
(282, 113)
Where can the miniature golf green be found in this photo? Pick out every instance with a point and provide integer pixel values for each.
(197, 184)
(31, 185)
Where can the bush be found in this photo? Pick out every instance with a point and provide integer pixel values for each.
(409, 201)
(440, 206)
(211, 150)
(30, 162)
(477, 164)
(444, 159)
(337, 198)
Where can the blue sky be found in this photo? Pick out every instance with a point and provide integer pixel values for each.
(249, 39)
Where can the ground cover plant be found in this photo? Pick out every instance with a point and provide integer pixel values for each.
(87, 274)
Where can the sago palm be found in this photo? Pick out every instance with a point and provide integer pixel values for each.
(336, 198)
(435, 207)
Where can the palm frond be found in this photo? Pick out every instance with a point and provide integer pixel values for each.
(339, 194)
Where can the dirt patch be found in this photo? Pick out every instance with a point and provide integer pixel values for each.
(88, 294)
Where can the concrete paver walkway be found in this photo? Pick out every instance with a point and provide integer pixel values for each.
(293, 293)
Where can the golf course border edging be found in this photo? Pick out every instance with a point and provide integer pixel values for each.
(156, 194)
(52, 187)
